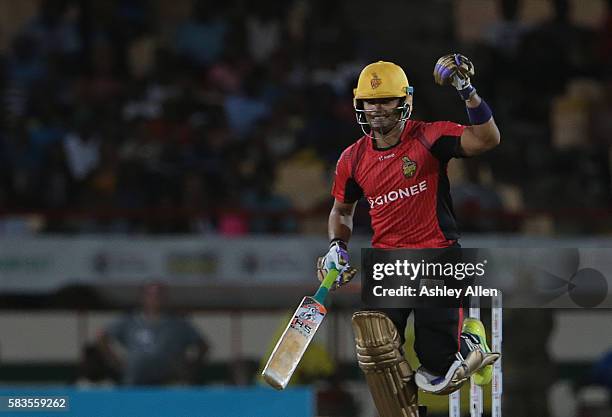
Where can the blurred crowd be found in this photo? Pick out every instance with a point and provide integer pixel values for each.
(136, 116)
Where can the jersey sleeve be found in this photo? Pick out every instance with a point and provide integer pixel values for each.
(444, 139)
(345, 189)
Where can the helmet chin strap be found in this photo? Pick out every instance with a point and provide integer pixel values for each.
(400, 123)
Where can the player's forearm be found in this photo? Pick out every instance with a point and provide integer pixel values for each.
(487, 132)
(340, 225)
(483, 127)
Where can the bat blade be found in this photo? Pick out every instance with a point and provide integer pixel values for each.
(293, 343)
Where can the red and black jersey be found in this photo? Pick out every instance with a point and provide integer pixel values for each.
(406, 185)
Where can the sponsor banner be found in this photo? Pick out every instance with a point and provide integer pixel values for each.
(45, 264)
(40, 264)
(455, 277)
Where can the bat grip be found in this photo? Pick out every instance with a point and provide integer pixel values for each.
(325, 285)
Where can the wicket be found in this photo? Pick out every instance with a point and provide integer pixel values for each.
(476, 394)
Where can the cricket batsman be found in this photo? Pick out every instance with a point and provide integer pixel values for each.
(397, 153)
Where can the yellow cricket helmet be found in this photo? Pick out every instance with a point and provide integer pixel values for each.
(382, 79)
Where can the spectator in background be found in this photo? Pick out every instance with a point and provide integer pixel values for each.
(246, 107)
(559, 44)
(264, 29)
(56, 29)
(24, 162)
(160, 348)
(201, 39)
(82, 148)
(179, 101)
(505, 35)
(503, 38)
(24, 66)
(605, 41)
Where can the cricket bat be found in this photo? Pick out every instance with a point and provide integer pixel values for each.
(297, 336)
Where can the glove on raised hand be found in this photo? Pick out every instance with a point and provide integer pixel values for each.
(455, 70)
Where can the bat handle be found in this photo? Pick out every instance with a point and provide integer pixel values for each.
(325, 285)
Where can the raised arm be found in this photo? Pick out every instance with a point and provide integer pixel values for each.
(479, 138)
(482, 134)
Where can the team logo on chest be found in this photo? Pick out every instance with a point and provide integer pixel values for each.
(409, 167)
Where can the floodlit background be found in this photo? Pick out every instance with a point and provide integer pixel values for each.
(192, 143)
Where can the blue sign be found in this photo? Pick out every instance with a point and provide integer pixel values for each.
(157, 402)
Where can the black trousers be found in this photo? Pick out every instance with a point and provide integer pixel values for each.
(436, 333)
(436, 338)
